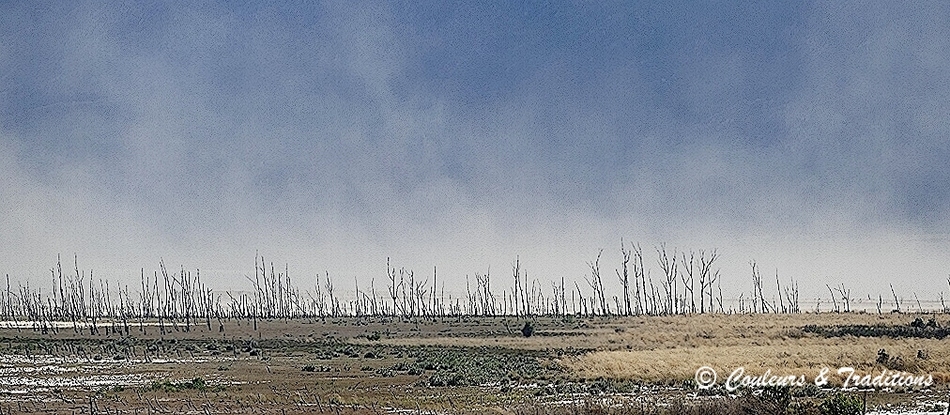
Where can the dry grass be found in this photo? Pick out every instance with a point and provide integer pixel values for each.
(665, 349)
(636, 333)
(673, 348)
(792, 357)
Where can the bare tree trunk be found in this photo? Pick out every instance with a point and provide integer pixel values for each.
(833, 301)
(668, 266)
(516, 274)
(778, 289)
(689, 278)
(846, 295)
(625, 280)
(597, 284)
(897, 301)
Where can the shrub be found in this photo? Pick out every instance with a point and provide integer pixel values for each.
(455, 367)
(882, 356)
(198, 384)
(778, 397)
(841, 404)
(528, 329)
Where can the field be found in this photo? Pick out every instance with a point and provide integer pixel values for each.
(468, 364)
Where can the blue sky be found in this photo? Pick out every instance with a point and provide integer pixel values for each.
(811, 137)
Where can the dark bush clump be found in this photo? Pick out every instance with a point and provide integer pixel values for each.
(528, 329)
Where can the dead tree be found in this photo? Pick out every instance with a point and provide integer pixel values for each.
(689, 280)
(563, 299)
(655, 299)
(791, 296)
(845, 297)
(668, 266)
(778, 289)
(335, 310)
(897, 300)
(484, 296)
(419, 299)
(528, 299)
(625, 280)
(944, 306)
(721, 308)
(516, 274)
(596, 284)
(410, 297)
(394, 288)
(639, 275)
(435, 284)
(759, 304)
(834, 302)
(706, 278)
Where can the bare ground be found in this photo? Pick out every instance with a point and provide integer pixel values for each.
(468, 365)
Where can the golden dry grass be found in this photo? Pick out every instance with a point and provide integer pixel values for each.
(674, 348)
(794, 357)
(637, 333)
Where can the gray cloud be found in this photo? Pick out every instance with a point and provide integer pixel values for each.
(202, 134)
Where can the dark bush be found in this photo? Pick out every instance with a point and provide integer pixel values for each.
(528, 329)
(882, 356)
(841, 404)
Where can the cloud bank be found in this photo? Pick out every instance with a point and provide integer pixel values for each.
(811, 138)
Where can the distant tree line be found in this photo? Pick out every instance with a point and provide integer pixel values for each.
(689, 282)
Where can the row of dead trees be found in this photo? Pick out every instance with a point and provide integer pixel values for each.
(785, 299)
(688, 282)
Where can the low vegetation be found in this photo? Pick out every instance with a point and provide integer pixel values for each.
(88, 346)
(629, 365)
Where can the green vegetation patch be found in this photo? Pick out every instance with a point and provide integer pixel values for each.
(916, 329)
(472, 367)
(196, 384)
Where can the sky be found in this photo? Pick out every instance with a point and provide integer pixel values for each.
(809, 137)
